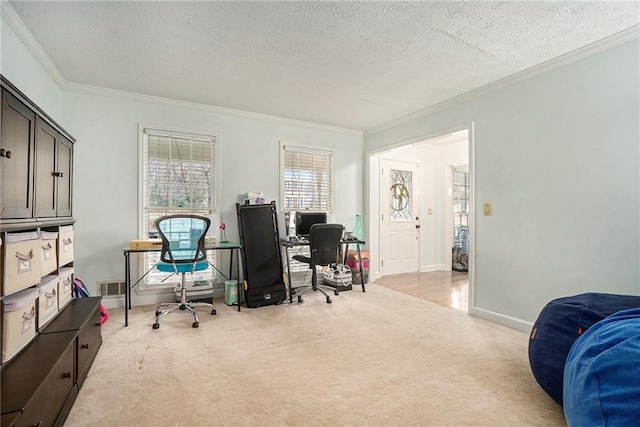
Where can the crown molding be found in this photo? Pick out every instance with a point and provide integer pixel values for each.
(36, 50)
(133, 96)
(568, 58)
(30, 42)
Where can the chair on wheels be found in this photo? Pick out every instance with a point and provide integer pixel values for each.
(182, 252)
(324, 243)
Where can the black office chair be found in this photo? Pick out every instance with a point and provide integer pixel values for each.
(182, 252)
(324, 244)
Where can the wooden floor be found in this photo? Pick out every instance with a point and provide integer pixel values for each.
(447, 288)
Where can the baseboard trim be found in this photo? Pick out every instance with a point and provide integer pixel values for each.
(150, 299)
(435, 267)
(501, 319)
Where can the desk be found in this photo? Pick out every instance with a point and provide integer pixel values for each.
(228, 246)
(288, 244)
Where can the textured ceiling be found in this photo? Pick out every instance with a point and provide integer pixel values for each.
(355, 65)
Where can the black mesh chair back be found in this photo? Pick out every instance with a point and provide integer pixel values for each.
(324, 245)
(182, 238)
(324, 242)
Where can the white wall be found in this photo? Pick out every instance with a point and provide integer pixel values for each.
(22, 69)
(558, 156)
(105, 124)
(106, 168)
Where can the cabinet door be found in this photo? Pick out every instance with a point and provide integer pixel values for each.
(16, 165)
(64, 178)
(46, 140)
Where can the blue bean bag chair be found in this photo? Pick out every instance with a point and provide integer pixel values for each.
(602, 374)
(559, 325)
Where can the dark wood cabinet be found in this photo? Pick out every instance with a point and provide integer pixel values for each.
(16, 158)
(54, 165)
(36, 161)
(40, 379)
(40, 386)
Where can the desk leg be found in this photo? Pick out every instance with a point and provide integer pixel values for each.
(238, 282)
(286, 252)
(360, 265)
(127, 283)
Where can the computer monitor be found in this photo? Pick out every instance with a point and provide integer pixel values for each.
(304, 221)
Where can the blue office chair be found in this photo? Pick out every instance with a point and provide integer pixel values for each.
(182, 252)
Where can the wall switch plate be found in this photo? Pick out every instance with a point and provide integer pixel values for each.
(488, 209)
(430, 211)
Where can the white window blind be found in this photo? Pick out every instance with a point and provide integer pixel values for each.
(307, 180)
(178, 177)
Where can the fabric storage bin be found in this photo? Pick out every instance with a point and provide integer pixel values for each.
(22, 261)
(65, 287)
(355, 264)
(47, 300)
(48, 249)
(19, 322)
(65, 245)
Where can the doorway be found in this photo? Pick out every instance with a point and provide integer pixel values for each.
(443, 220)
(400, 219)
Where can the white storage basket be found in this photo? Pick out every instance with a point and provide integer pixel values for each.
(19, 321)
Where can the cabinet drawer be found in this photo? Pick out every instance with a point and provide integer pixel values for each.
(45, 404)
(89, 341)
(65, 245)
(22, 261)
(38, 381)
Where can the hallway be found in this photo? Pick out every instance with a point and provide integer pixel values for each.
(446, 288)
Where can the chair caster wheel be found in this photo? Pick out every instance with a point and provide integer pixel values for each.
(336, 293)
(182, 307)
(195, 325)
(213, 312)
(156, 325)
(157, 312)
(299, 298)
(328, 300)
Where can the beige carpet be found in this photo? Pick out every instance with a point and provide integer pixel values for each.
(369, 359)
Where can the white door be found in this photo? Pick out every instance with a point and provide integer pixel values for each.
(400, 222)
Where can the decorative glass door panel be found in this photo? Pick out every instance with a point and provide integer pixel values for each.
(400, 196)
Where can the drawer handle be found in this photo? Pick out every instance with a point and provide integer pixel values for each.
(66, 375)
(85, 345)
(58, 174)
(98, 323)
(48, 247)
(66, 241)
(24, 257)
(38, 425)
(51, 294)
(5, 153)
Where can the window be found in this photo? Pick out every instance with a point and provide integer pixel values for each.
(178, 176)
(307, 185)
(307, 179)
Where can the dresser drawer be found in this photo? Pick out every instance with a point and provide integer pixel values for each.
(39, 382)
(89, 341)
(46, 403)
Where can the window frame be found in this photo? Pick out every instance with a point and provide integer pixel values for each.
(284, 145)
(214, 201)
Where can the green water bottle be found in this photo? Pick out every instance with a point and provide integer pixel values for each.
(358, 229)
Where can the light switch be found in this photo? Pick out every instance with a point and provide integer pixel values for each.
(488, 209)
(430, 211)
